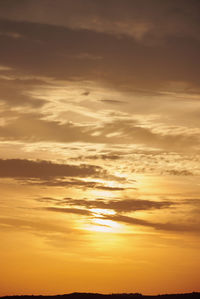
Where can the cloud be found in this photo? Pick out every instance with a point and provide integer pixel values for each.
(184, 213)
(133, 132)
(14, 91)
(77, 183)
(4, 68)
(44, 51)
(183, 172)
(32, 128)
(188, 227)
(11, 34)
(119, 206)
(113, 102)
(69, 211)
(105, 156)
(25, 169)
(137, 19)
(40, 225)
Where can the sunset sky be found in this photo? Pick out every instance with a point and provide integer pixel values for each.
(99, 146)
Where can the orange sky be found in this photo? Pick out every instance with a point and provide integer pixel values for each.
(99, 146)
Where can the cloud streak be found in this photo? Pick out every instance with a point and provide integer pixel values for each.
(125, 205)
(25, 169)
(121, 207)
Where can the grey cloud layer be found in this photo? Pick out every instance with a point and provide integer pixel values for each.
(125, 63)
(53, 51)
(137, 18)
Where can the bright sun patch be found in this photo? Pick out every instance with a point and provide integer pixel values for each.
(101, 212)
(103, 225)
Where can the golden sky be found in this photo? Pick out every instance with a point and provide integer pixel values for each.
(99, 146)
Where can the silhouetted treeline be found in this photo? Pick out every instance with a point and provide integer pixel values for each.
(193, 295)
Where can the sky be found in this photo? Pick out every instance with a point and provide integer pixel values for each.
(99, 146)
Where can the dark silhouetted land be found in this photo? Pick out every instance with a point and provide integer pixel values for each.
(193, 295)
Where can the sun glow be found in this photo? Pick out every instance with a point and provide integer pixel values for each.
(101, 193)
(100, 224)
(103, 225)
(101, 212)
(107, 223)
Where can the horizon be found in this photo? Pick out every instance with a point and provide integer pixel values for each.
(99, 146)
(105, 294)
